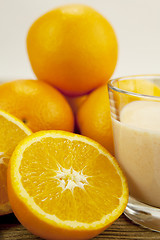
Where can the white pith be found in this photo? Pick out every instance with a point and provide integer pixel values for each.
(69, 178)
(2, 159)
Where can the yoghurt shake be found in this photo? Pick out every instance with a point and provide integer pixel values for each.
(137, 148)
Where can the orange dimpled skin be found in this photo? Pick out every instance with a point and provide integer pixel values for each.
(37, 104)
(94, 118)
(74, 48)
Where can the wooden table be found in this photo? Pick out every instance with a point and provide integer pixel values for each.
(123, 228)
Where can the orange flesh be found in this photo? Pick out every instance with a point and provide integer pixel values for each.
(100, 186)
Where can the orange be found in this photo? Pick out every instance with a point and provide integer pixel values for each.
(94, 119)
(12, 131)
(76, 102)
(72, 47)
(37, 104)
(65, 186)
(140, 86)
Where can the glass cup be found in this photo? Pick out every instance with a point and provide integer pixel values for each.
(135, 113)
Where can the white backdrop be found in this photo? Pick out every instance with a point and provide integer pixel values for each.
(136, 22)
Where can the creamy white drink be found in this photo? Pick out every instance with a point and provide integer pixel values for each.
(137, 148)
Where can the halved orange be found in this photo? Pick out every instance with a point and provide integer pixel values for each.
(65, 186)
(12, 131)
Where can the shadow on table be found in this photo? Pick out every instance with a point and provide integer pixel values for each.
(9, 219)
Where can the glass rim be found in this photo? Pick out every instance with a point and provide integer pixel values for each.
(134, 77)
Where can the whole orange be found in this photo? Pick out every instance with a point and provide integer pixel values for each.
(37, 104)
(94, 119)
(74, 48)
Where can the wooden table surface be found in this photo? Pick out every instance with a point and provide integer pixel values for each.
(123, 228)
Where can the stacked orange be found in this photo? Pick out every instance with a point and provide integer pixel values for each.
(74, 48)
(62, 185)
